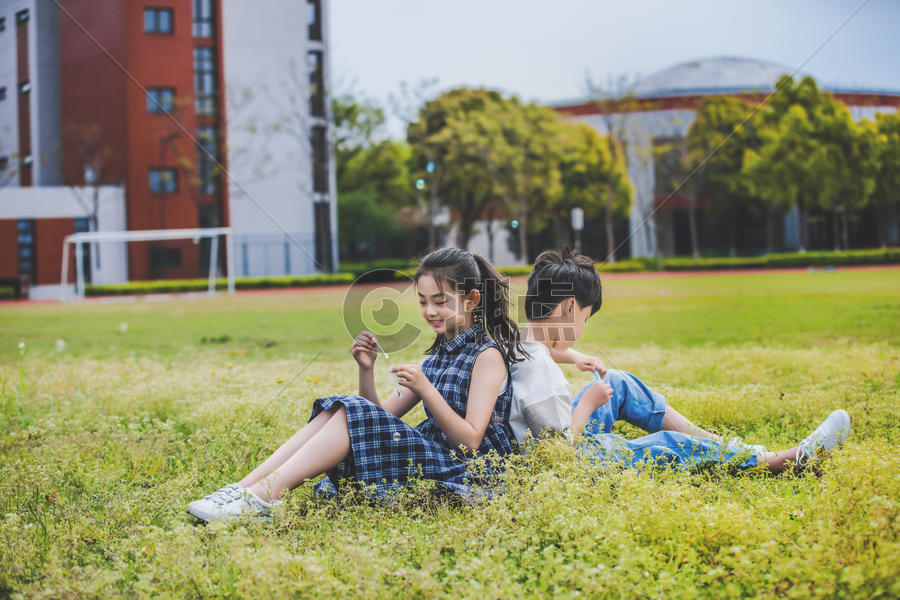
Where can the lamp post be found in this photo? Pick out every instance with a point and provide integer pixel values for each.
(91, 178)
(577, 225)
(431, 206)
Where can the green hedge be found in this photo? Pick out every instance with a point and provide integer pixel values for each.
(7, 293)
(879, 256)
(199, 285)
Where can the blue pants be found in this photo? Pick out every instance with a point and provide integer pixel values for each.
(634, 402)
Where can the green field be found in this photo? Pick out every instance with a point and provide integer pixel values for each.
(114, 416)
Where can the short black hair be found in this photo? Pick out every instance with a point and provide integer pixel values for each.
(556, 276)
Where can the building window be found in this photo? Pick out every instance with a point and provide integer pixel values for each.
(2, 23)
(207, 155)
(204, 81)
(160, 100)
(22, 16)
(158, 20)
(3, 93)
(163, 181)
(203, 18)
(4, 163)
(26, 246)
(316, 83)
(162, 258)
(314, 20)
(320, 160)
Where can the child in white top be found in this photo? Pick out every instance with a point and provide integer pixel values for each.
(563, 292)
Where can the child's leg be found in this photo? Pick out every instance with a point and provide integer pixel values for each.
(684, 452)
(634, 402)
(287, 449)
(779, 461)
(675, 421)
(670, 447)
(321, 453)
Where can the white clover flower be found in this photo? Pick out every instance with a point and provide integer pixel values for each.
(60, 345)
(21, 345)
(123, 327)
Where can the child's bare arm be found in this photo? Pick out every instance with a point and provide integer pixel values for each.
(484, 388)
(365, 350)
(582, 361)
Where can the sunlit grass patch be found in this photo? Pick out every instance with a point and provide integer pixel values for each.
(101, 457)
(101, 451)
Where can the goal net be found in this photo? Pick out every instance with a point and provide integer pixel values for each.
(79, 240)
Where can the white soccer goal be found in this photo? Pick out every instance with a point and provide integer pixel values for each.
(79, 239)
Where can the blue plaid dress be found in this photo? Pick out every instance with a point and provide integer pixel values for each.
(386, 453)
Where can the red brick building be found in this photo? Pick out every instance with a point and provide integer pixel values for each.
(136, 61)
(93, 109)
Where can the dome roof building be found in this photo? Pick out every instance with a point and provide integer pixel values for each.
(657, 111)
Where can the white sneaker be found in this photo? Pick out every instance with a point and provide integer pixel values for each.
(228, 503)
(830, 434)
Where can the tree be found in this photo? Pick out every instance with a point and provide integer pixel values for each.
(716, 143)
(853, 166)
(594, 177)
(460, 180)
(886, 194)
(518, 144)
(811, 154)
(357, 124)
(373, 177)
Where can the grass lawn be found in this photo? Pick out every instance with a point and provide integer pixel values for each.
(114, 416)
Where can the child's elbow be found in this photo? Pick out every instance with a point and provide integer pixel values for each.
(471, 445)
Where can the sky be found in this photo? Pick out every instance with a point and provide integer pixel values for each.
(544, 50)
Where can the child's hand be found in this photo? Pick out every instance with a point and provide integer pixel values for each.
(364, 350)
(590, 363)
(604, 391)
(598, 394)
(412, 377)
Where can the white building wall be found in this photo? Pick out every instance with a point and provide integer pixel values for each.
(43, 58)
(268, 133)
(638, 131)
(46, 120)
(59, 202)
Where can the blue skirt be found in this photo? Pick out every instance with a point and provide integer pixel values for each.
(387, 454)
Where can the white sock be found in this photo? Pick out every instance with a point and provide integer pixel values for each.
(260, 500)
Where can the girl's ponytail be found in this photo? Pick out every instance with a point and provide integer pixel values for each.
(493, 310)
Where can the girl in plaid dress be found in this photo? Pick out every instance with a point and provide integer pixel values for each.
(464, 384)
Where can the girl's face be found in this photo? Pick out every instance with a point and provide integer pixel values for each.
(445, 310)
